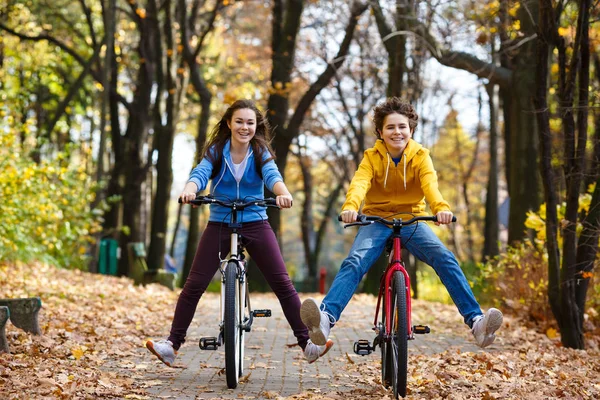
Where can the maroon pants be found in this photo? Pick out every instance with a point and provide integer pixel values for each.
(261, 244)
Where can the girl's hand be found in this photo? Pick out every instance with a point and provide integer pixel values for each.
(186, 197)
(349, 216)
(444, 217)
(284, 201)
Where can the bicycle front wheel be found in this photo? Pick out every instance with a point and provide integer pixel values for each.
(386, 350)
(232, 326)
(399, 342)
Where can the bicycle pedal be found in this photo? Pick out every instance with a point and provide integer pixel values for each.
(363, 347)
(261, 313)
(208, 343)
(421, 329)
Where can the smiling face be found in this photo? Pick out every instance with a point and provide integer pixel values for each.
(243, 127)
(396, 133)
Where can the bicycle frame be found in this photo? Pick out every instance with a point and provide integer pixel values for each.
(393, 344)
(236, 255)
(395, 263)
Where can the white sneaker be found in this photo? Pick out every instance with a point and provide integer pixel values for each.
(312, 352)
(163, 349)
(316, 321)
(485, 326)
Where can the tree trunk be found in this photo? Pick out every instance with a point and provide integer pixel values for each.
(135, 163)
(491, 228)
(523, 186)
(164, 137)
(548, 178)
(194, 227)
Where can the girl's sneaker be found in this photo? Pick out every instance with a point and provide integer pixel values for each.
(316, 321)
(485, 326)
(312, 352)
(163, 349)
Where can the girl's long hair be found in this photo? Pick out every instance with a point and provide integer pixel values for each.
(221, 133)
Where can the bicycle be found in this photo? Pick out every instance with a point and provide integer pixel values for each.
(236, 313)
(395, 309)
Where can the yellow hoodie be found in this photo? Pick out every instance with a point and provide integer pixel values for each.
(388, 188)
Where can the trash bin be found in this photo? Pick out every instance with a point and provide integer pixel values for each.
(107, 264)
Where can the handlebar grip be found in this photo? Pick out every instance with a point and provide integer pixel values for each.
(196, 199)
(435, 218)
(270, 201)
(359, 217)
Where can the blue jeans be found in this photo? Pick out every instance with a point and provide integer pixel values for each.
(420, 240)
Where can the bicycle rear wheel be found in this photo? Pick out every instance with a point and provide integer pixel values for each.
(232, 326)
(399, 342)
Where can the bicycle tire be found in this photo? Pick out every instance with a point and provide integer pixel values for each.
(385, 346)
(399, 342)
(245, 313)
(231, 326)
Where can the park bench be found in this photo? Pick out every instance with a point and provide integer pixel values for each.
(23, 313)
(139, 268)
(4, 314)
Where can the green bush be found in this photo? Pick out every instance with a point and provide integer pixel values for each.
(45, 208)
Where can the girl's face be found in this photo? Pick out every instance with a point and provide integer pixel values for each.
(396, 133)
(243, 126)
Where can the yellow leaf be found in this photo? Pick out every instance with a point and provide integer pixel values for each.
(551, 333)
(77, 352)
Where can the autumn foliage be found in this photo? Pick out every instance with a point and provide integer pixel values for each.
(46, 213)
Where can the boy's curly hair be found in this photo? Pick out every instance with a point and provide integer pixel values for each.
(394, 105)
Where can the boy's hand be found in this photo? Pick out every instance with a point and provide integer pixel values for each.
(349, 216)
(444, 217)
(284, 201)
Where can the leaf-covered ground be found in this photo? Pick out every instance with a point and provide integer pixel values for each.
(90, 320)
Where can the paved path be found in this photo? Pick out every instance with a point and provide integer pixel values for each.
(272, 368)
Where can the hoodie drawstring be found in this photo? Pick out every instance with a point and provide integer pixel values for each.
(404, 172)
(387, 170)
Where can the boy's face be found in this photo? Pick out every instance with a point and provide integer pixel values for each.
(396, 133)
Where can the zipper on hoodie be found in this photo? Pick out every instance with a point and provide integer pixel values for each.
(232, 172)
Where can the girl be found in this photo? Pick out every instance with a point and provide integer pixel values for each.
(396, 176)
(240, 162)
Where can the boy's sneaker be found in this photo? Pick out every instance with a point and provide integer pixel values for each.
(312, 352)
(485, 326)
(163, 349)
(316, 321)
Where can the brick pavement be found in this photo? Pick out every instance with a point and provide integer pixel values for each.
(271, 367)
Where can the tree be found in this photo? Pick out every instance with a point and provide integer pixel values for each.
(516, 77)
(285, 26)
(568, 277)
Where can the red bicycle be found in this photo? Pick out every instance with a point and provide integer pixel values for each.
(395, 329)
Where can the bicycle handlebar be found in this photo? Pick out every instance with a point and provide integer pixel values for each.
(367, 220)
(238, 205)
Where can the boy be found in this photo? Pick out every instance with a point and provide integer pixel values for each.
(397, 176)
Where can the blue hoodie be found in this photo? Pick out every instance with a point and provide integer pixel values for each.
(224, 185)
